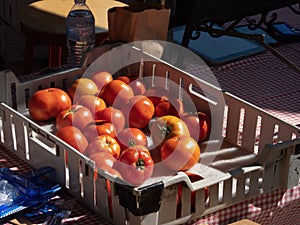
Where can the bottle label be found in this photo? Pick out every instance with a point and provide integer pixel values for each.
(80, 34)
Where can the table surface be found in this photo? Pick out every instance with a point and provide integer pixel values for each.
(262, 80)
(50, 15)
(277, 207)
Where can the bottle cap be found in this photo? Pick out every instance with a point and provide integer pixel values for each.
(80, 1)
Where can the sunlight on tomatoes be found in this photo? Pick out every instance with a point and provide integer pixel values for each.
(180, 153)
(74, 137)
(115, 93)
(138, 111)
(82, 86)
(129, 137)
(198, 124)
(112, 115)
(93, 103)
(45, 104)
(98, 128)
(104, 143)
(101, 78)
(77, 116)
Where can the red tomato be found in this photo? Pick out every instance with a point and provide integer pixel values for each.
(166, 127)
(198, 124)
(156, 94)
(129, 137)
(135, 165)
(47, 103)
(82, 86)
(98, 128)
(169, 106)
(104, 143)
(105, 161)
(115, 93)
(92, 102)
(74, 137)
(101, 78)
(138, 111)
(180, 153)
(127, 79)
(112, 115)
(136, 84)
(77, 116)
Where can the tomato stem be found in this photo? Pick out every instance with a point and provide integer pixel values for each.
(163, 130)
(140, 164)
(132, 143)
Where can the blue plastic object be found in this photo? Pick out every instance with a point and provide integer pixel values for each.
(25, 190)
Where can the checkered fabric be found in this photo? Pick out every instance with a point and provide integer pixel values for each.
(277, 207)
(80, 214)
(263, 80)
(269, 83)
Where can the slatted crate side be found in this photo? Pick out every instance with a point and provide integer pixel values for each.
(38, 156)
(254, 184)
(29, 142)
(205, 199)
(17, 93)
(8, 80)
(119, 213)
(8, 138)
(87, 181)
(188, 198)
(61, 80)
(168, 206)
(275, 160)
(196, 94)
(38, 148)
(255, 128)
(167, 212)
(201, 196)
(101, 202)
(230, 191)
(151, 218)
(94, 187)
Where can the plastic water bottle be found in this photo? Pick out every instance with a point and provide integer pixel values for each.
(80, 30)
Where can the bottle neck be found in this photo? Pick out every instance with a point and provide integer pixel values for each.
(80, 2)
(80, 5)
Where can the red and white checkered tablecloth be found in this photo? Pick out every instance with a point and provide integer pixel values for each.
(263, 80)
(274, 208)
(80, 213)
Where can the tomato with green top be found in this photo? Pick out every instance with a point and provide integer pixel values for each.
(135, 165)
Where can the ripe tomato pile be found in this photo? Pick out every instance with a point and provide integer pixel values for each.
(123, 125)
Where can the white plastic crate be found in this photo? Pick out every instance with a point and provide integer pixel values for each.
(246, 165)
